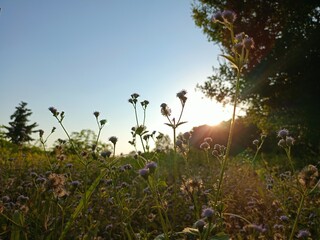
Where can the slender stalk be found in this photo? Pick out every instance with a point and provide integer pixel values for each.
(298, 215)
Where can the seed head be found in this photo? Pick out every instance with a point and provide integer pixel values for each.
(205, 146)
(165, 110)
(289, 141)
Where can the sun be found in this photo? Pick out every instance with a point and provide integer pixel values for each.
(203, 111)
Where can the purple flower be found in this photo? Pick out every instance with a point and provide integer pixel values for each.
(217, 17)
(144, 172)
(283, 133)
(207, 213)
(303, 234)
(151, 166)
(229, 16)
(284, 218)
(248, 43)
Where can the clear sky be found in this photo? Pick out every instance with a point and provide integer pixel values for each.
(84, 56)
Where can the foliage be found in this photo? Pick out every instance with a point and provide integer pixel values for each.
(19, 131)
(279, 86)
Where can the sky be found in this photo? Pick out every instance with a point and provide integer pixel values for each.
(84, 56)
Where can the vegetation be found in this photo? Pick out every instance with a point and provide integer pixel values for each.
(19, 132)
(188, 191)
(278, 87)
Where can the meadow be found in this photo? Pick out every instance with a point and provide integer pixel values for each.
(176, 192)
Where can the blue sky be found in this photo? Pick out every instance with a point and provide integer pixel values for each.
(85, 56)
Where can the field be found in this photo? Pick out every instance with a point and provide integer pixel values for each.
(188, 194)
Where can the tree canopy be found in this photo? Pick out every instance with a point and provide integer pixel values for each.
(19, 131)
(280, 85)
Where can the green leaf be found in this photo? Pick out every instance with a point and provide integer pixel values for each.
(220, 236)
(231, 60)
(80, 206)
(180, 123)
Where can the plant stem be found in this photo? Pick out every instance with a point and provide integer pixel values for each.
(298, 214)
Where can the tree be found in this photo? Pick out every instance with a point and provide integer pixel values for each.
(280, 87)
(18, 131)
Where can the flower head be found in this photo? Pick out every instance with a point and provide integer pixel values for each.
(229, 16)
(182, 96)
(113, 139)
(283, 133)
(96, 114)
(217, 17)
(248, 43)
(54, 111)
(207, 213)
(165, 110)
(151, 166)
(144, 172)
(303, 234)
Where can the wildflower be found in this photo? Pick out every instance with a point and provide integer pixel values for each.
(96, 114)
(283, 133)
(165, 110)
(255, 142)
(303, 234)
(41, 132)
(217, 17)
(284, 218)
(258, 228)
(135, 95)
(240, 37)
(282, 143)
(187, 135)
(199, 225)
(75, 183)
(22, 198)
(248, 43)
(205, 146)
(151, 166)
(106, 154)
(238, 47)
(208, 140)
(113, 139)
(5, 199)
(41, 180)
(144, 172)
(69, 165)
(144, 103)
(54, 111)
(179, 143)
(308, 176)
(229, 16)
(289, 141)
(208, 213)
(182, 96)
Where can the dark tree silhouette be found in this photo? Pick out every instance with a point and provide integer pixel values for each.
(280, 85)
(19, 131)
